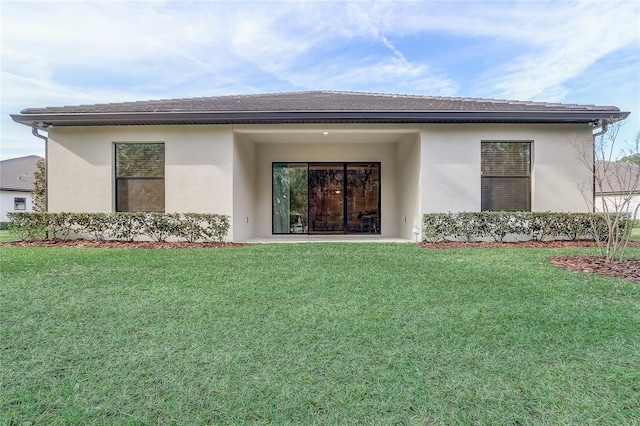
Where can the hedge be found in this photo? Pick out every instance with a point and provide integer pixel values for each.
(470, 226)
(122, 226)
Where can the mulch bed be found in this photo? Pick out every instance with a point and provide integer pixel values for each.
(628, 269)
(122, 244)
(447, 244)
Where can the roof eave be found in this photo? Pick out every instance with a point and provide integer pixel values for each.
(46, 120)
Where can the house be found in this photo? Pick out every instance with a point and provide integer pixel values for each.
(16, 185)
(617, 186)
(318, 162)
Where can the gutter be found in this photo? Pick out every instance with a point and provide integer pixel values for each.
(44, 120)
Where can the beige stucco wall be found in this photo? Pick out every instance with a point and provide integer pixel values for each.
(450, 159)
(260, 146)
(408, 185)
(227, 169)
(198, 167)
(80, 170)
(244, 191)
(268, 153)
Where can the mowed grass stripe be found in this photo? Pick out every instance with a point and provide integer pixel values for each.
(314, 334)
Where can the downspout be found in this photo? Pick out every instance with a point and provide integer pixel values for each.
(34, 132)
(604, 125)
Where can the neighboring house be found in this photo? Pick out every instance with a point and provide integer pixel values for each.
(16, 184)
(321, 162)
(619, 189)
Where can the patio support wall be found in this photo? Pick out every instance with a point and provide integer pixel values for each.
(385, 153)
(244, 188)
(408, 185)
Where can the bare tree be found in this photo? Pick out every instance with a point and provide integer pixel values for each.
(616, 184)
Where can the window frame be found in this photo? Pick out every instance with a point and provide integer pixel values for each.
(19, 201)
(528, 176)
(117, 178)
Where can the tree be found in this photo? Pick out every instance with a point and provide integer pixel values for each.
(39, 193)
(617, 183)
(633, 159)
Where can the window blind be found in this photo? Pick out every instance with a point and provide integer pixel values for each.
(506, 176)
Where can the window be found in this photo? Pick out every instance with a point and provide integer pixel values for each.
(19, 203)
(140, 177)
(506, 176)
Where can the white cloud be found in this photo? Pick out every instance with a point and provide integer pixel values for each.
(567, 43)
(103, 51)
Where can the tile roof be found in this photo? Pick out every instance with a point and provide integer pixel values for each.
(617, 177)
(316, 107)
(16, 174)
(320, 101)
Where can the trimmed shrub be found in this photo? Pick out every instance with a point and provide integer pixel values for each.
(127, 225)
(28, 226)
(467, 226)
(160, 226)
(529, 225)
(437, 226)
(97, 225)
(120, 226)
(498, 225)
(59, 225)
(203, 226)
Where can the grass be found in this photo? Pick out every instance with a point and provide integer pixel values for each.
(6, 236)
(314, 334)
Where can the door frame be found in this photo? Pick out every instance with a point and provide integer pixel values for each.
(345, 191)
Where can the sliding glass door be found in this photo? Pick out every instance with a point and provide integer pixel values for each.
(326, 198)
(363, 198)
(290, 198)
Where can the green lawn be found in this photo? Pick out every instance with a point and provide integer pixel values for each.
(6, 236)
(314, 334)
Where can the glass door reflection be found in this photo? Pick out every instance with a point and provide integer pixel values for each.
(363, 198)
(326, 198)
(290, 195)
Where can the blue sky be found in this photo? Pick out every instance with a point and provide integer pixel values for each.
(69, 53)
